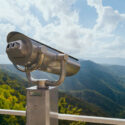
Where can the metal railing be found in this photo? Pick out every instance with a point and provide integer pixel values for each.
(83, 118)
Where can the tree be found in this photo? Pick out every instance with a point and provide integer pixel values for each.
(66, 108)
(11, 99)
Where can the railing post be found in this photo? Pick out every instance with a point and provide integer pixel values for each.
(38, 106)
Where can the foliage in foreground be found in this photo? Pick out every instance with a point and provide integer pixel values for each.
(11, 99)
(66, 108)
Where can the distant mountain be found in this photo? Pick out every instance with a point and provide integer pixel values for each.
(88, 108)
(98, 85)
(109, 60)
(19, 84)
(101, 85)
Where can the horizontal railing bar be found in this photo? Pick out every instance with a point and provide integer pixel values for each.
(82, 118)
(13, 112)
(91, 119)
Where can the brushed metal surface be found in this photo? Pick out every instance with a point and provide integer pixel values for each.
(12, 112)
(91, 119)
(28, 53)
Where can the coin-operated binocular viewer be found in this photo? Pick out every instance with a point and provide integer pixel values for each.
(28, 55)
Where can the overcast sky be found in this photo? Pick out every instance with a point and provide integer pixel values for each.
(81, 28)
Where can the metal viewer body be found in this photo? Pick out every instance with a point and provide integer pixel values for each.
(33, 55)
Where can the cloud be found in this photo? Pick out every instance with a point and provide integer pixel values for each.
(108, 19)
(55, 23)
(104, 37)
(5, 28)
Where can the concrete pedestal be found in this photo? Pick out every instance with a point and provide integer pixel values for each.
(40, 102)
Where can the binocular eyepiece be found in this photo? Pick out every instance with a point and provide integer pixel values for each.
(33, 55)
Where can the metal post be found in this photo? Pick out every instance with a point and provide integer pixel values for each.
(38, 106)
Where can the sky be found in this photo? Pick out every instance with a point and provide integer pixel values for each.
(81, 28)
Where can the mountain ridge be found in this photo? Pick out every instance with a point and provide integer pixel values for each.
(97, 84)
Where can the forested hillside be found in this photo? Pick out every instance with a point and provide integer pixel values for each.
(102, 85)
(96, 90)
(13, 96)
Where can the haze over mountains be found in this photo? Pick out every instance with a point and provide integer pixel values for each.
(98, 87)
(109, 60)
